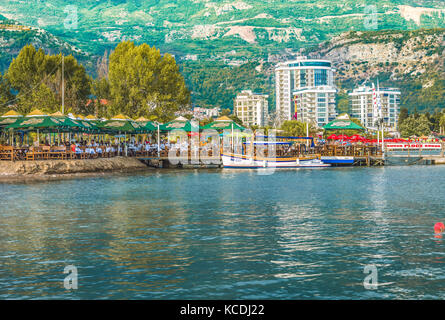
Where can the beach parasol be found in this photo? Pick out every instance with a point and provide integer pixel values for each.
(179, 123)
(224, 123)
(37, 120)
(69, 124)
(342, 122)
(342, 137)
(356, 138)
(120, 124)
(146, 125)
(9, 118)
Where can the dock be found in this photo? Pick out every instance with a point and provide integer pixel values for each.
(335, 155)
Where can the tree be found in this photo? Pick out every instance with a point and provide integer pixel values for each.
(442, 124)
(78, 84)
(403, 115)
(296, 128)
(144, 83)
(32, 68)
(420, 126)
(43, 97)
(6, 97)
(27, 70)
(226, 112)
(101, 91)
(423, 126)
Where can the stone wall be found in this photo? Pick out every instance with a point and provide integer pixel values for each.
(51, 167)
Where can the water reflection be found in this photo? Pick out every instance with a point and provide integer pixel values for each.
(225, 235)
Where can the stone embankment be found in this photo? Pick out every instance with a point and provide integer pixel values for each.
(64, 167)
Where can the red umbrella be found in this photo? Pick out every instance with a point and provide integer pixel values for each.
(343, 137)
(333, 137)
(356, 137)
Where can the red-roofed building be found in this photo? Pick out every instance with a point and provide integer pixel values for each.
(103, 102)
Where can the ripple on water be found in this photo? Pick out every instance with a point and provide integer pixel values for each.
(226, 235)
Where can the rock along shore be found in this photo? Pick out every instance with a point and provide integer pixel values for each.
(69, 167)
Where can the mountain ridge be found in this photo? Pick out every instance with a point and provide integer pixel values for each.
(226, 46)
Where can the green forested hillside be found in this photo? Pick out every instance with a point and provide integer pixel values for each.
(226, 46)
(211, 28)
(14, 36)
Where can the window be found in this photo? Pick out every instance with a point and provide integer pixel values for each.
(303, 78)
(321, 78)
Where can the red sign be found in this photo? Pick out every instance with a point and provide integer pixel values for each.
(414, 146)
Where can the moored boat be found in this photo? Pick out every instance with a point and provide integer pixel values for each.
(240, 161)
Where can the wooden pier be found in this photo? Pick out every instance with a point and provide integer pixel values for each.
(356, 155)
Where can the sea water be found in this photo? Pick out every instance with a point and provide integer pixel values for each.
(343, 233)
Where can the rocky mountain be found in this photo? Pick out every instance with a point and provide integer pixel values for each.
(411, 60)
(229, 45)
(395, 55)
(14, 36)
(229, 30)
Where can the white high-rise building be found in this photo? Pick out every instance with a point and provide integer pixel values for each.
(362, 106)
(252, 108)
(305, 90)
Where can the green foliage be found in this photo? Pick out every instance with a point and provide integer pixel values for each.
(169, 25)
(403, 114)
(101, 90)
(415, 96)
(34, 74)
(294, 128)
(6, 97)
(419, 126)
(214, 84)
(442, 124)
(144, 83)
(43, 98)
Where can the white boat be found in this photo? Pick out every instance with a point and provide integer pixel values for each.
(240, 161)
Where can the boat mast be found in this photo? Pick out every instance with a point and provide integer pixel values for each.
(63, 84)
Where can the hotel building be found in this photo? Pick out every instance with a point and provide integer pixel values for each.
(362, 107)
(252, 108)
(205, 113)
(305, 90)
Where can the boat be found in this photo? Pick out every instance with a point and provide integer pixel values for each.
(239, 161)
(338, 160)
(255, 158)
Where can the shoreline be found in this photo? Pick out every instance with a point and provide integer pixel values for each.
(49, 170)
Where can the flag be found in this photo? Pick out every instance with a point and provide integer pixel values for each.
(374, 103)
(296, 112)
(379, 102)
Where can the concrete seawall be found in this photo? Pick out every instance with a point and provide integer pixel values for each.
(63, 167)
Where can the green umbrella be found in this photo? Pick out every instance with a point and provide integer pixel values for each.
(224, 123)
(146, 125)
(69, 124)
(179, 124)
(120, 124)
(343, 123)
(9, 118)
(37, 120)
(90, 126)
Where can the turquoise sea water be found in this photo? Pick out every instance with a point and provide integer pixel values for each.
(186, 234)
